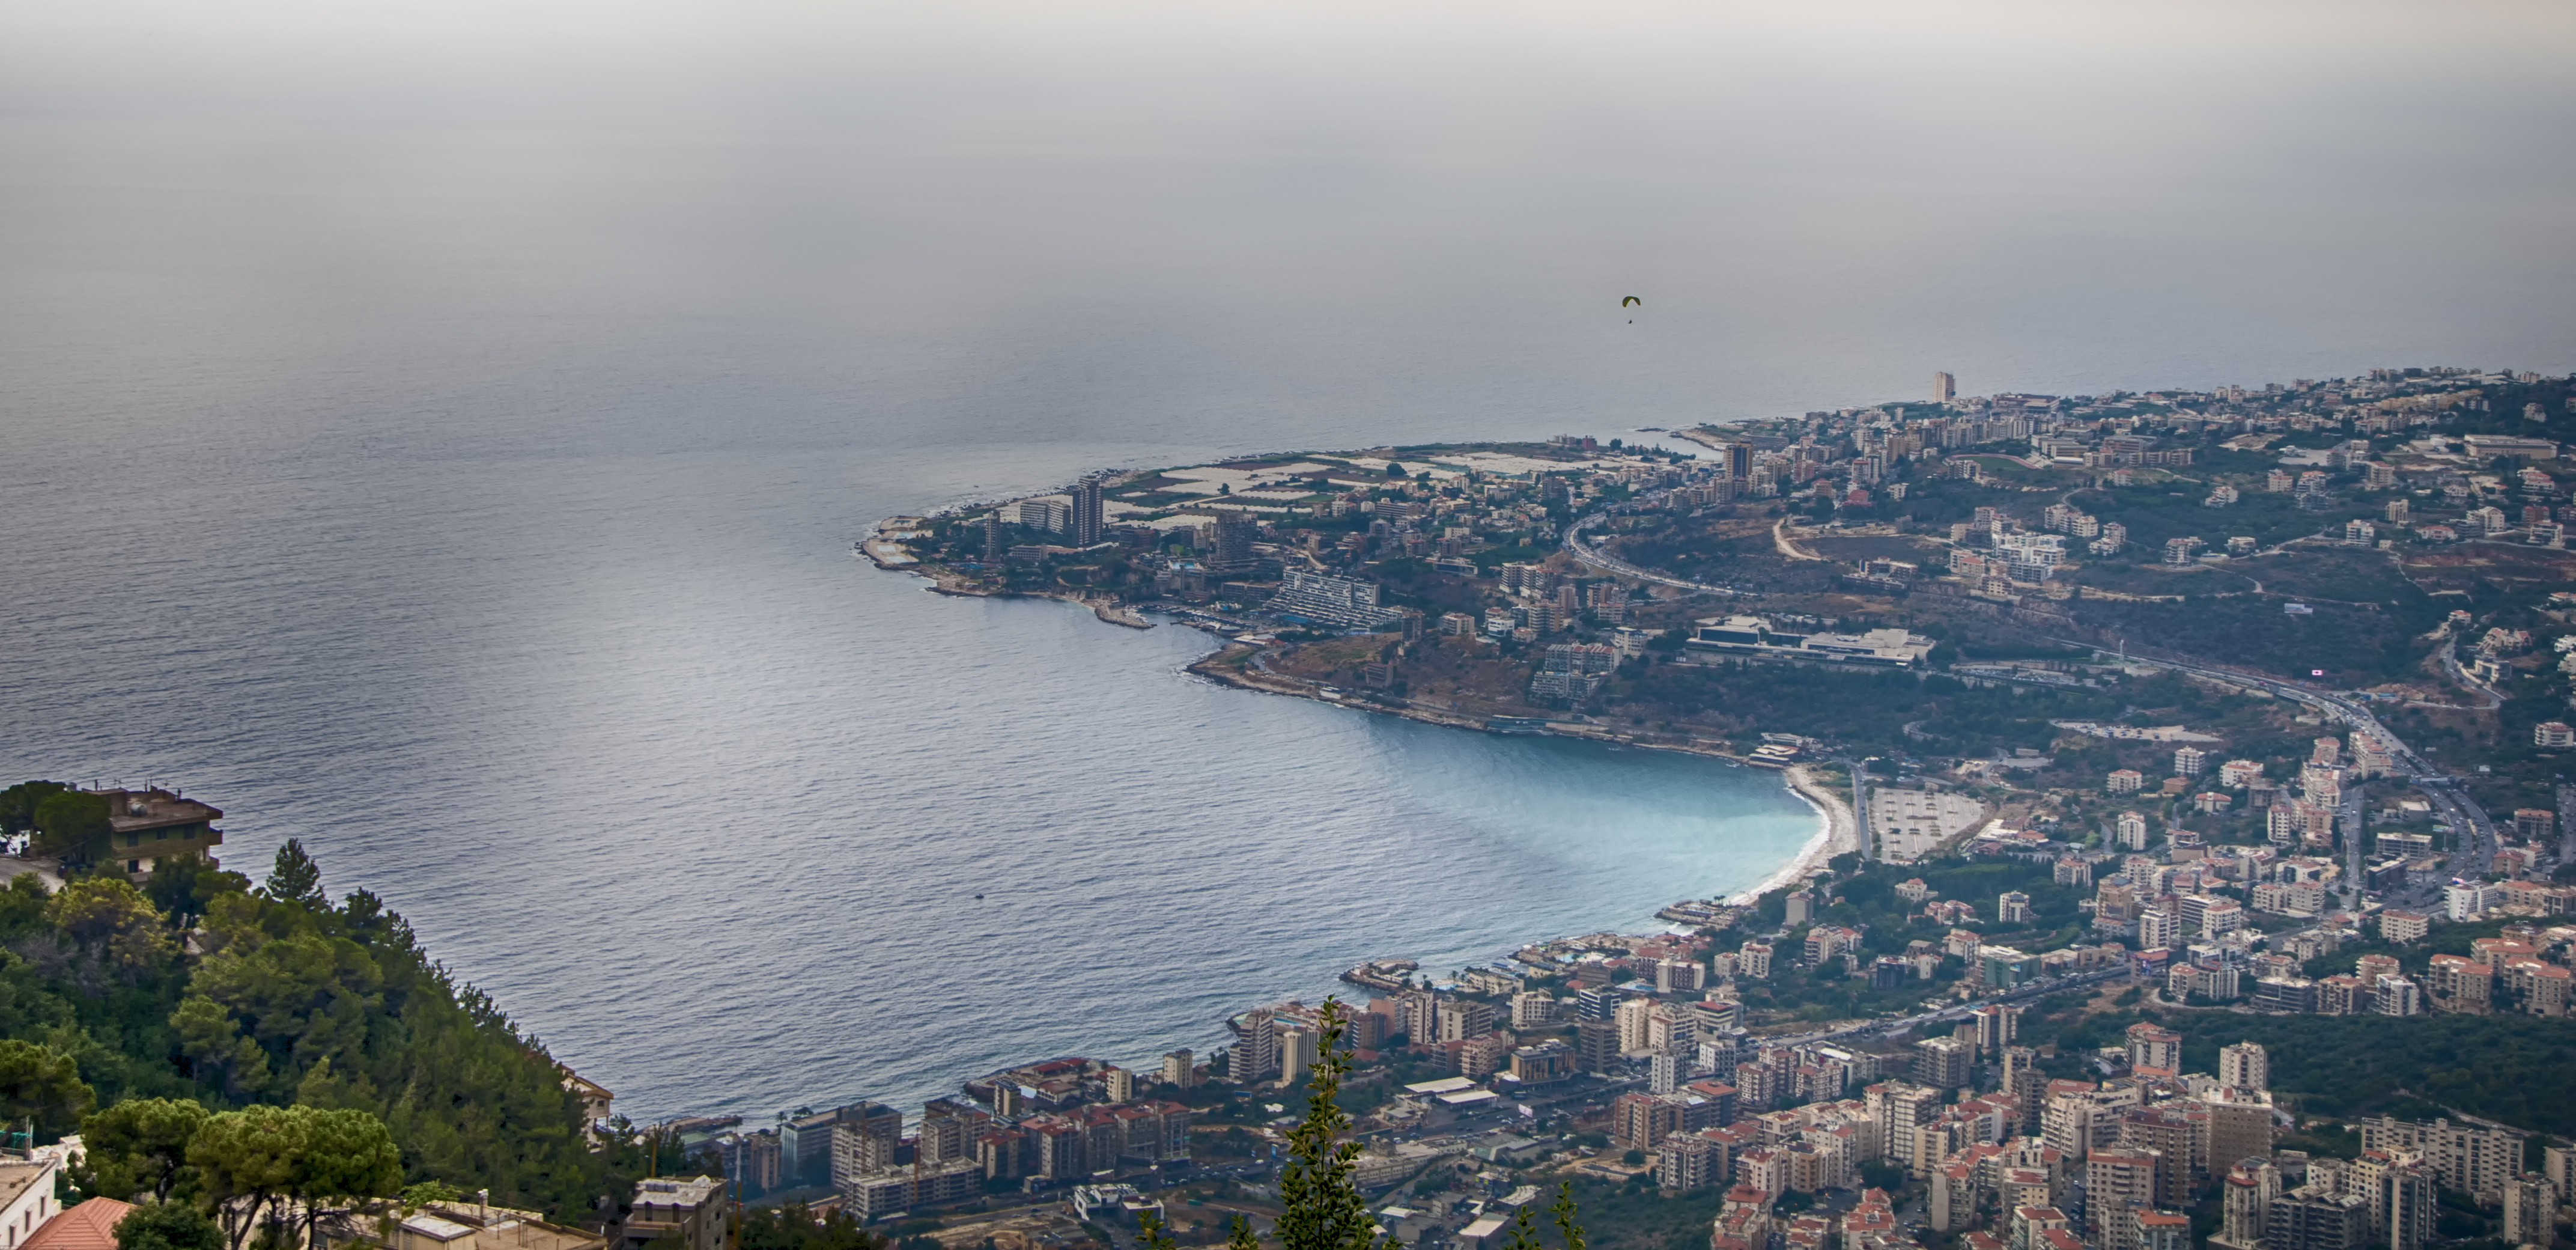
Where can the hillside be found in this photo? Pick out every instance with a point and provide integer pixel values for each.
(198, 986)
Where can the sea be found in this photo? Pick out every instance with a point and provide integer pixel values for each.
(438, 434)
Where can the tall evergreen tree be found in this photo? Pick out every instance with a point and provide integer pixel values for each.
(72, 825)
(295, 878)
(1325, 1209)
(42, 1085)
(18, 803)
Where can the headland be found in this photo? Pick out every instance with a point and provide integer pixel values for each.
(2168, 700)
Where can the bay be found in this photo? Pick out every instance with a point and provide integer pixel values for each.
(438, 434)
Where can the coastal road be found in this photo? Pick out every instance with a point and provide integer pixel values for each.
(1860, 808)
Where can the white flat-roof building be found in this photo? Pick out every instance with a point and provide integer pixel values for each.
(1445, 1085)
(1754, 635)
(26, 1197)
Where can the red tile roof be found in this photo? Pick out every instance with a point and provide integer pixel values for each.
(89, 1226)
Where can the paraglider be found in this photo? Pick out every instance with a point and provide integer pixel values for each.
(1632, 302)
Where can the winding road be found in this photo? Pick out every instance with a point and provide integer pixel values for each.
(1585, 554)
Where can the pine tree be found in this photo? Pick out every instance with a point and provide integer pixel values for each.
(1325, 1209)
(295, 878)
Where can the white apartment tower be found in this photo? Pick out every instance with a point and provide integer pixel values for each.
(2244, 1066)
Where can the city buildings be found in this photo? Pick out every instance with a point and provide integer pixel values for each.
(2117, 1182)
(2154, 1050)
(1085, 513)
(2317, 1218)
(1330, 600)
(2465, 1157)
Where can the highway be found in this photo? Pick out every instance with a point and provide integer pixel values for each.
(2451, 804)
(1575, 547)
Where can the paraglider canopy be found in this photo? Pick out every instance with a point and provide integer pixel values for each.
(1632, 300)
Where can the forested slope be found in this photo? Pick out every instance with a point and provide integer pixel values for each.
(199, 987)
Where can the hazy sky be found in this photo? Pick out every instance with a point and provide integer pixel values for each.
(2093, 89)
(2044, 195)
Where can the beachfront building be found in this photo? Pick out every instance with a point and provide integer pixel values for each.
(150, 825)
(1327, 600)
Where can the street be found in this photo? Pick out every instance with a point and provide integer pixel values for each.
(2476, 833)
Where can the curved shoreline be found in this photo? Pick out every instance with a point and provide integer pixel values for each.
(1840, 835)
(1839, 831)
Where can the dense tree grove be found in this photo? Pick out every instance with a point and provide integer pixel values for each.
(2506, 1068)
(265, 1046)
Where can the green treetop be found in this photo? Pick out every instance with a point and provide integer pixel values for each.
(168, 1226)
(1324, 1207)
(139, 1148)
(295, 878)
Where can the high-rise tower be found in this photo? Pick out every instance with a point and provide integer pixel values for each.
(1086, 511)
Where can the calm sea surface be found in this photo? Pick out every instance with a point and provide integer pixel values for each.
(438, 435)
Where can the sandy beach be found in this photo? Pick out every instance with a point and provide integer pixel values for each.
(1841, 833)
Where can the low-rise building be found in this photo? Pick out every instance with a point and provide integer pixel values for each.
(1754, 635)
(148, 826)
(26, 1197)
(691, 1213)
(88, 1226)
(382, 1225)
